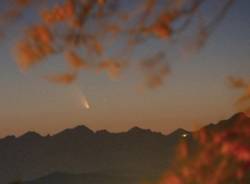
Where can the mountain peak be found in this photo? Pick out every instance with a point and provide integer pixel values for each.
(180, 132)
(30, 135)
(80, 130)
(102, 132)
(138, 130)
(239, 116)
(235, 120)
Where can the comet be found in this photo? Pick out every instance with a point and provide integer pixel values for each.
(85, 102)
(81, 97)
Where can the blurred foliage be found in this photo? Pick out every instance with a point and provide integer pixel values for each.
(221, 157)
(101, 35)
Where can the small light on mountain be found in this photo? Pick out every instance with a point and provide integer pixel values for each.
(184, 135)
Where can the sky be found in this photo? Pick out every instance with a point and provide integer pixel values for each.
(194, 94)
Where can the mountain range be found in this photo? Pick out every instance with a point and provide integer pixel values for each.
(80, 155)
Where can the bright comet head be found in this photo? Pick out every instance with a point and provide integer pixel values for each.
(85, 102)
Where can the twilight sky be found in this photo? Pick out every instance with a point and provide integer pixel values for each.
(193, 95)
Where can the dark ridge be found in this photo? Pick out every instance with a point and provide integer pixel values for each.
(137, 130)
(79, 130)
(8, 139)
(30, 135)
(102, 132)
(81, 150)
(240, 115)
(179, 132)
(234, 120)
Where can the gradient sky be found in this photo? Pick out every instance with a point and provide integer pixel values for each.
(194, 94)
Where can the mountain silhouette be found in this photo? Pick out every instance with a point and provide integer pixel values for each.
(138, 152)
(239, 119)
(89, 178)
